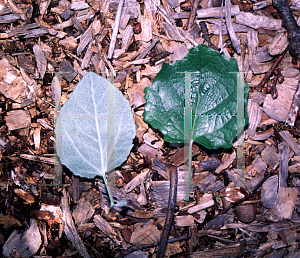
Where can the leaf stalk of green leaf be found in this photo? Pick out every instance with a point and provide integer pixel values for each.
(187, 196)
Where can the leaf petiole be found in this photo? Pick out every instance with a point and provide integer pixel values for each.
(187, 196)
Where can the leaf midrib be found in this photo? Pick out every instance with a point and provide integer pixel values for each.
(103, 170)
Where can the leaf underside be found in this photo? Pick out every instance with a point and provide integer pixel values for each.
(213, 100)
(82, 124)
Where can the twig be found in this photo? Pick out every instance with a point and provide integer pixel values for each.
(270, 72)
(171, 206)
(115, 30)
(289, 22)
(250, 194)
(140, 247)
(192, 15)
(205, 34)
(272, 89)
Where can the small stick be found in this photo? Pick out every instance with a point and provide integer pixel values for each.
(205, 34)
(270, 72)
(192, 14)
(289, 22)
(140, 247)
(114, 35)
(272, 89)
(171, 207)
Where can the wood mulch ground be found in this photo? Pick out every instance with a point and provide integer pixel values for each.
(130, 39)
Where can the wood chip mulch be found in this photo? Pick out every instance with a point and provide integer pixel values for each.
(227, 215)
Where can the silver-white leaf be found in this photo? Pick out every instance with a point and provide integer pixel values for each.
(82, 125)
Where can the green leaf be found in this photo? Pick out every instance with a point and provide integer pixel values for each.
(214, 99)
(82, 124)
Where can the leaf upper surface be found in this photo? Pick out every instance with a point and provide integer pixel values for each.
(214, 98)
